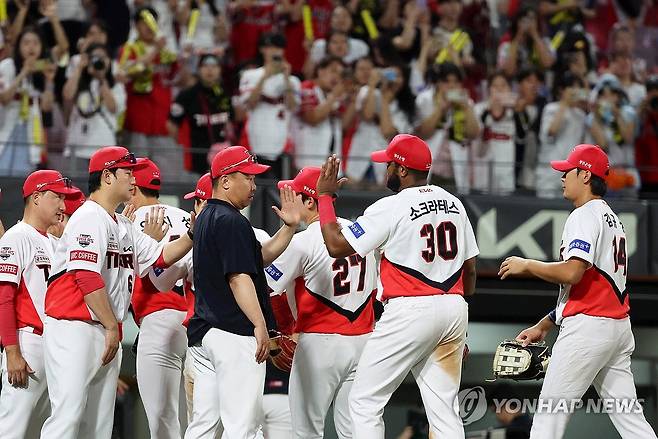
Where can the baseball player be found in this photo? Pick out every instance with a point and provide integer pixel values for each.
(26, 252)
(333, 299)
(159, 307)
(428, 251)
(93, 271)
(232, 313)
(595, 343)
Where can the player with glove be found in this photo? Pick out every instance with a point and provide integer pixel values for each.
(595, 342)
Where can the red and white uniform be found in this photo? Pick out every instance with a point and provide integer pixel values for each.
(268, 123)
(313, 143)
(160, 312)
(595, 343)
(494, 154)
(25, 258)
(74, 340)
(333, 306)
(424, 237)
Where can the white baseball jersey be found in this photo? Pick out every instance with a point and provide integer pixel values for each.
(168, 283)
(332, 296)
(594, 234)
(268, 123)
(111, 246)
(25, 259)
(424, 236)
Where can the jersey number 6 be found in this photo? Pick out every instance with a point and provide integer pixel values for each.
(445, 242)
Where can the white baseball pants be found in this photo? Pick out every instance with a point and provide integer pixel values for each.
(237, 386)
(204, 420)
(424, 335)
(20, 408)
(160, 354)
(276, 422)
(323, 371)
(82, 391)
(590, 351)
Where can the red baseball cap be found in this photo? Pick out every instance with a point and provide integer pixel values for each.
(306, 182)
(587, 157)
(73, 201)
(406, 150)
(203, 189)
(47, 180)
(111, 157)
(235, 159)
(147, 174)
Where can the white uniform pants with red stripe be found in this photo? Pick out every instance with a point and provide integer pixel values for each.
(82, 392)
(424, 335)
(323, 371)
(21, 408)
(160, 353)
(590, 351)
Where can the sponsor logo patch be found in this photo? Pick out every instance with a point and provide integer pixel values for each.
(85, 240)
(8, 269)
(81, 255)
(273, 272)
(580, 245)
(6, 252)
(357, 230)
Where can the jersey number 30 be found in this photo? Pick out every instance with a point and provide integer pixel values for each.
(443, 242)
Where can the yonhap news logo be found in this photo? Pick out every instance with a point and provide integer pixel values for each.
(472, 404)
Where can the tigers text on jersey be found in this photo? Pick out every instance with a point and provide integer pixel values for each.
(25, 259)
(594, 234)
(95, 241)
(162, 288)
(332, 296)
(424, 236)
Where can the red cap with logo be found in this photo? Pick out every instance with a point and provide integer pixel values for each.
(406, 150)
(306, 182)
(47, 180)
(73, 201)
(147, 174)
(111, 157)
(203, 188)
(236, 159)
(587, 157)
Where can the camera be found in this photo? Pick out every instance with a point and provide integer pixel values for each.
(454, 95)
(97, 63)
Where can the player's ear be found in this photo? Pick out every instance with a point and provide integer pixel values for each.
(587, 176)
(403, 171)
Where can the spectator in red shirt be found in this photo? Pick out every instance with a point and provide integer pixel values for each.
(250, 19)
(149, 68)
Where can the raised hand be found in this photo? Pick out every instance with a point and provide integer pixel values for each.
(512, 266)
(291, 207)
(328, 182)
(154, 224)
(129, 212)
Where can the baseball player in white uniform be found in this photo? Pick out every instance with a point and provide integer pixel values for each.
(595, 343)
(93, 271)
(427, 249)
(26, 252)
(159, 307)
(332, 300)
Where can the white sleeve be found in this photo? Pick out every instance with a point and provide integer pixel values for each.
(423, 107)
(371, 229)
(318, 50)
(503, 53)
(361, 96)
(86, 245)
(119, 93)
(12, 258)
(471, 246)
(581, 233)
(7, 73)
(297, 88)
(147, 251)
(247, 82)
(549, 113)
(287, 267)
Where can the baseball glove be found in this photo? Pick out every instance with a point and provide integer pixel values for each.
(515, 361)
(282, 350)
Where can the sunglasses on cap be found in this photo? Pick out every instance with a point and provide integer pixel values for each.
(65, 180)
(128, 158)
(250, 159)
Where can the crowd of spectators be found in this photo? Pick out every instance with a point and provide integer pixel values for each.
(498, 88)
